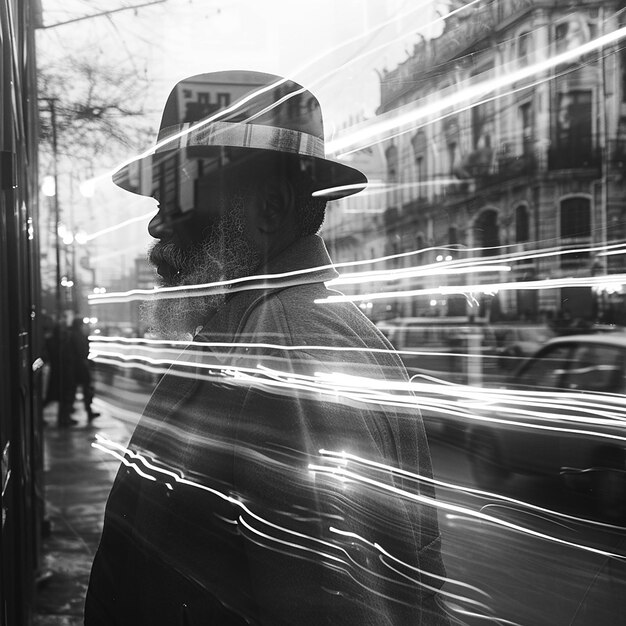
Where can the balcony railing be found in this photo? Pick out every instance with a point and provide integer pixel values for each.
(574, 157)
(487, 168)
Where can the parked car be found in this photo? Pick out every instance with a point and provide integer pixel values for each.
(449, 348)
(563, 413)
(514, 341)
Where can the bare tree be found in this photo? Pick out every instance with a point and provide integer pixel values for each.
(98, 112)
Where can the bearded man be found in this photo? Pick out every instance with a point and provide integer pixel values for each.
(280, 473)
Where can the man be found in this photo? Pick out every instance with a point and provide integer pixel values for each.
(280, 473)
(79, 338)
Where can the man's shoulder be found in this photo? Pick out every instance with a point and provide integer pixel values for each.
(303, 311)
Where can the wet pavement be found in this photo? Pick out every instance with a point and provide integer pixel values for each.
(78, 478)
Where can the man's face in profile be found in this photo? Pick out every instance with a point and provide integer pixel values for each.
(207, 245)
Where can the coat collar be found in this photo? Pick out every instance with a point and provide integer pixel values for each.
(306, 261)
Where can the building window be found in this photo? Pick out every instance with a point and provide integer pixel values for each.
(392, 176)
(395, 250)
(571, 34)
(574, 119)
(526, 120)
(204, 97)
(392, 164)
(575, 218)
(486, 233)
(419, 176)
(294, 105)
(452, 236)
(573, 130)
(575, 222)
(522, 230)
(452, 157)
(483, 116)
(419, 152)
(223, 100)
(523, 47)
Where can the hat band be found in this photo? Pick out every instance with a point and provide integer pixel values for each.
(240, 135)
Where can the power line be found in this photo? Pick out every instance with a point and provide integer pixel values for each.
(104, 13)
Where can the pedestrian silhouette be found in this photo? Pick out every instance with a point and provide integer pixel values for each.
(62, 381)
(82, 365)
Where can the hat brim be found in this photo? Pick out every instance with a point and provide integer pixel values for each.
(332, 179)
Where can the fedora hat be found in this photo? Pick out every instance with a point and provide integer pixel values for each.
(232, 117)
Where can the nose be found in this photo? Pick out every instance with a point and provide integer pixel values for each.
(159, 226)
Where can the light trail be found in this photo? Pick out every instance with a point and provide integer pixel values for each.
(458, 509)
(326, 549)
(379, 130)
(311, 63)
(512, 409)
(283, 538)
(110, 229)
(413, 272)
(343, 458)
(469, 290)
(394, 20)
(460, 266)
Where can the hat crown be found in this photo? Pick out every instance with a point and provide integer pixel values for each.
(243, 97)
(231, 118)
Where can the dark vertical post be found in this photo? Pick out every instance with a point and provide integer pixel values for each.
(57, 211)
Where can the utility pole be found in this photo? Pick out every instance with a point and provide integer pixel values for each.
(57, 209)
(51, 101)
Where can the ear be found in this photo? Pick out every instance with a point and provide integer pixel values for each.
(276, 204)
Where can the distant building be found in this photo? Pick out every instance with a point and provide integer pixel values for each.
(534, 165)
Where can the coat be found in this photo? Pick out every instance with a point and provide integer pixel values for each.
(275, 477)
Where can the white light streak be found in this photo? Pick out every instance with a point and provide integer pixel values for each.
(110, 229)
(470, 290)
(447, 506)
(131, 459)
(345, 458)
(376, 131)
(460, 266)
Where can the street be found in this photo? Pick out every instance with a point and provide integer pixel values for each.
(526, 566)
(508, 562)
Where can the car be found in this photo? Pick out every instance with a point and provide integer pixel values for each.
(562, 413)
(519, 340)
(447, 348)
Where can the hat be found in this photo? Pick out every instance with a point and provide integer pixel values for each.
(229, 117)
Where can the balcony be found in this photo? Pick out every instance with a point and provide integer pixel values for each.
(574, 157)
(509, 166)
(488, 168)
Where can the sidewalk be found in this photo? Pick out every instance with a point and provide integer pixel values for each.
(77, 481)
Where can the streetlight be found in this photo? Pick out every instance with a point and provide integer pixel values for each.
(73, 238)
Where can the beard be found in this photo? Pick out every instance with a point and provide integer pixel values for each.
(226, 253)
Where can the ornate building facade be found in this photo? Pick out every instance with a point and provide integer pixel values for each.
(509, 147)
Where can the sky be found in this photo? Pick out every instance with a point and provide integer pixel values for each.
(336, 48)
